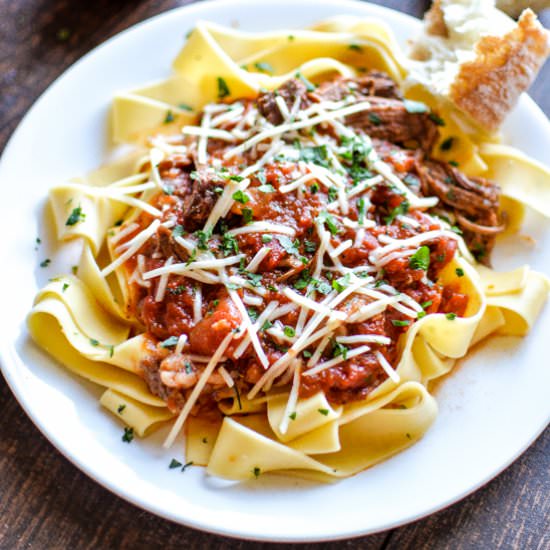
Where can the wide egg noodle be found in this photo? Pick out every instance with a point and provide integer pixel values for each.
(53, 329)
(140, 417)
(214, 52)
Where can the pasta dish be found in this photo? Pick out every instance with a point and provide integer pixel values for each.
(289, 255)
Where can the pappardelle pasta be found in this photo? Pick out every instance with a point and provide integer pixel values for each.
(290, 255)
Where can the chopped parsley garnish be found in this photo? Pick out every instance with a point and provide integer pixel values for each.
(229, 245)
(316, 155)
(76, 216)
(332, 194)
(459, 271)
(174, 464)
(340, 350)
(341, 283)
(169, 342)
(247, 215)
(94, 342)
(185, 107)
(426, 305)
(420, 314)
(255, 279)
(324, 412)
(65, 287)
(256, 472)
(374, 118)
(355, 47)
(399, 323)
(447, 144)
(252, 313)
(168, 189)
(266, 188)
(176, 291)
(289, 246)
(437, 119)
(267, 238)
(289, 331)
(264, 67)
(414, 107)
(451, 316)
(266, 325)
(303, 280)
(111, 349)
(361, 210)
(310, 87)
(128, 435)
(400, 210)
(169, 117)
(120, 409)
(326, 218)
(186, 465)
(310, 246)
(292, 415)
(203, 237)
(178, 231)
(420, 259)
(223, 88)
(314, 187)
(454, 163)
(307, 354)
(240, 196)
(74, 269)
(45, 263)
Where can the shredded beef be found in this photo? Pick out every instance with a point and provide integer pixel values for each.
(473, 201)
(289, 91)
(388, 119)
(373, 83)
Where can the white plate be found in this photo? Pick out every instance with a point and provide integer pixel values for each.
(492, 408)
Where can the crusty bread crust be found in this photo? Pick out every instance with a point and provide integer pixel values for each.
(488, 87)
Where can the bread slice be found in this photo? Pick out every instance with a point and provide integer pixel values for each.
(488, 69)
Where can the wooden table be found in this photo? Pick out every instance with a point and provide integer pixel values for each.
(45, 502)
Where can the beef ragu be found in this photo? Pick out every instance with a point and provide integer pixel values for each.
(316, 244)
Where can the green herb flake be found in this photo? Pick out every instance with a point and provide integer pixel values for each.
(169, 342)
(223, 88)
(289, 331)
(256, 472)
(459, 272)
(399, 323)
(447, 144)
(186, 465)
(185, 107)
(229, 245)
(264, 67)
(355, 48)
(45, 263)
(342, 283)
(324, 412)
(289, 246)
(426, 305)
(240, 196)
(326, 218)
(374, 118)
(120, 409)
(437, 119)
(451, 316)
(267, 238)
(128, 435)
(174, 464)
(310, 87)
(340, 350)
(94, 342)
(169, 117)
(420, 259)
(76, 216)
(65, 287)
(400, 210)
(247, 215)
(292, 416)
(420, 314)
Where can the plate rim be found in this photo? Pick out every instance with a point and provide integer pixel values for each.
(7, 364)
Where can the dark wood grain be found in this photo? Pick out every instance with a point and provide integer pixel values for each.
(45, 502)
